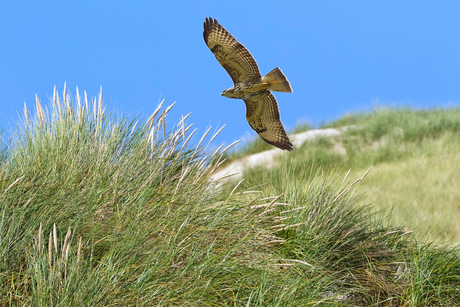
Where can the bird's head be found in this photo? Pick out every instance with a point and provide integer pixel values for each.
(228, 92)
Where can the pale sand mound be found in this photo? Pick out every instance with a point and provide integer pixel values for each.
(267, 157)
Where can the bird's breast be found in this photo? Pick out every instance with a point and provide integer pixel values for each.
(248, 89)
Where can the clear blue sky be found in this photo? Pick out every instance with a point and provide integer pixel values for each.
(339, 56)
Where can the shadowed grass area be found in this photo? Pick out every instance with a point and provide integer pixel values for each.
(100, 210)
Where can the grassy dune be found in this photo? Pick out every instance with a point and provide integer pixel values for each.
(415, 156)
(98, 210)
(425, 195)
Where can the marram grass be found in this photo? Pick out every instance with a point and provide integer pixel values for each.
(99, 210)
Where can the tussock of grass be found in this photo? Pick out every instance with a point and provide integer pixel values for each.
(99, 210)
(370, 262)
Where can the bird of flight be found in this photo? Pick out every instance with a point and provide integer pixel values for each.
(261, 107)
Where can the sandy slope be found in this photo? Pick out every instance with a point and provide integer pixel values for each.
(267, 157)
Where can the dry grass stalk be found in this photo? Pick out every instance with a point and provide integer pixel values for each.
(215, 134)
(151, 120)
(366, 173)
(351, 185)
(67, 103)
(69, 109)
(344, 191)
(268, 205)
(183, 126)
(86, 101)
(100, 110)
(39, 238)
(65, 251)
(58, 102)
(28, 202)
(132, 130)
(257, 207)
(66, 246)
(11, 185)
(54, 98)
(50, 251)
(237, 185)
(151, 137)
(217, 164)
(274, 242)
(230, 146)
(64, 94)
(391, 232)
(406, 233)
(169, 108)
(250, 203)
(295, 225)
(274, 202)
(346, 176)
(281, 204)
(182, 122)
(277, 226)
(266, 212)
(188, 128)
(175, 139)
(202, 164)
(275, 219)
(40, 113)
(173, 145)
(295, 209)
(202, 138)
(78, 98)
(248, 192)
(180, 180)
(26, 114)
(55, 237)
(188, 139)
(95, 108)
(177, 136)
(269, 198)
(79, 250)
(79, 108)
(165, 148)
(216, 152)
(163, 116)
(297, 261)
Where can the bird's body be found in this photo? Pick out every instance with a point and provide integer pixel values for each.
(245, 90)
(261, 107)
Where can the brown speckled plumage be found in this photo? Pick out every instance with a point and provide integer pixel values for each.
(265, 119)
(261, 107)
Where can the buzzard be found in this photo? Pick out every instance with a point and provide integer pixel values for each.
(248, 84)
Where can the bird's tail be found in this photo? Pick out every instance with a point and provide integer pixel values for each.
(278, 81)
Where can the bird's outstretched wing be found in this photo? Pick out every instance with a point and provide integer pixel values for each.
(263, 116)
(231, 54)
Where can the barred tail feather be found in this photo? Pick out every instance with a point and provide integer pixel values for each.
(278, 81)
